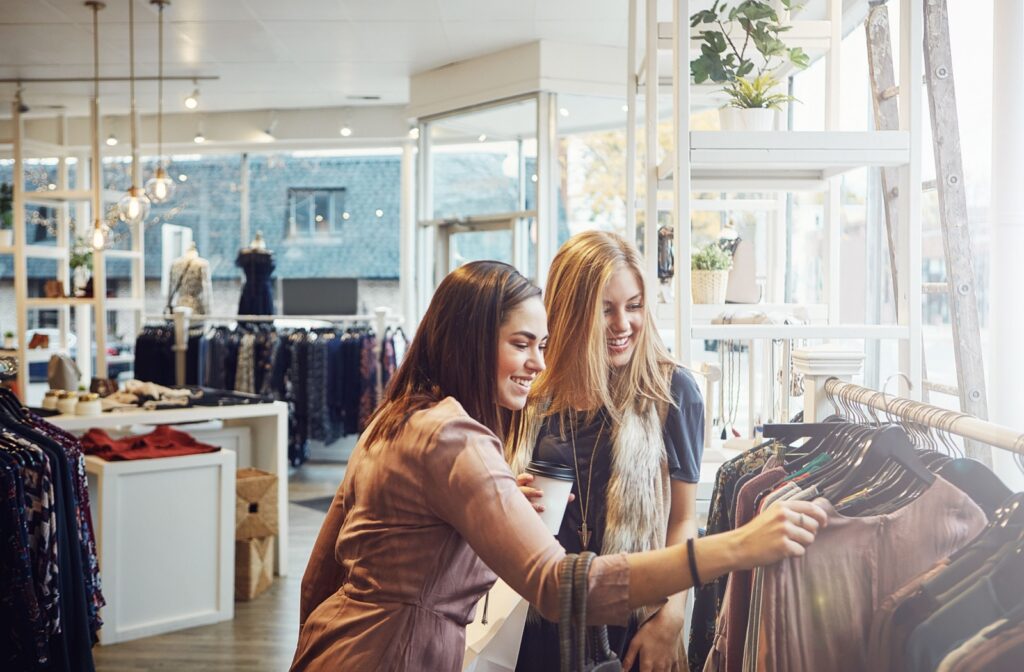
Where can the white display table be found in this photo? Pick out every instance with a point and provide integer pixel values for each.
(165, 537)
(268, 425)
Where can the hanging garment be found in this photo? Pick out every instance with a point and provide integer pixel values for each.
(154, 354)
(257, 289)
(49, 577)
(842, 579)
(708, 598)
(245, 371)
(191, 285)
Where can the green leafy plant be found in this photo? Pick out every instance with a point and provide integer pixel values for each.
(6, 206)
(8, 334)
(743, 51)
(81, 254)
(711, 257)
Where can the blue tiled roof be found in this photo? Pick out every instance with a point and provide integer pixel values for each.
(364, 246)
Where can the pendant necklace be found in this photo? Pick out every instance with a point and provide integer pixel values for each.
(584, 499)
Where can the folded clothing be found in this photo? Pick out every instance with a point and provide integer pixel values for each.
(161, 442)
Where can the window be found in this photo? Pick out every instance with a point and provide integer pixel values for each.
(315, 212)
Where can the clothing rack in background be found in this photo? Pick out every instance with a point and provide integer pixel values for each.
(381, 319)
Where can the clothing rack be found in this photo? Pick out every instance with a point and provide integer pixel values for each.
(381, 319)
(953, 422)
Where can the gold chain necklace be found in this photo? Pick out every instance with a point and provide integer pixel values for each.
(584, 500)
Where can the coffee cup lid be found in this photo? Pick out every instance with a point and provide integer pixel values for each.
(551, 470)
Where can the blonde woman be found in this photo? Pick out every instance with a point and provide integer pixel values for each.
(613, 406)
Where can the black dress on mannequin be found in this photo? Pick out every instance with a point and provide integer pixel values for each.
(257, 292)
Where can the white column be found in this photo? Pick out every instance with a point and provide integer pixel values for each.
(818, 364)
(1006, 317)
(407, 233)
(547, 183)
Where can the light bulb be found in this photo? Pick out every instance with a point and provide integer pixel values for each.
(482, 137)
(199, 139)
(133, 206)
(112, 140)
(345, 215)
(379, 212)
(564, 111)
(183, 178)
(160, 187)
(192, 100)
(345, 131)
(414, 133)
(99, 235)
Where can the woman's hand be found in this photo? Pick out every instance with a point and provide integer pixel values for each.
(783, 530)
(533, 495)
(656, 643)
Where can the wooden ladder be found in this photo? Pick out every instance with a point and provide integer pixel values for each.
(959, 287)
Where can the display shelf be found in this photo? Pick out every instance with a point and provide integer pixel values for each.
(122, 254)
(793, 157)
(43, 302)
(46, 252)
(812, 36)
(705, 313)
(125, 303)
(743, 332)
(268, 425)
(58, 196)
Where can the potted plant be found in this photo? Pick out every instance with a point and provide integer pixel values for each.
(741, 48)
(80, 262)
(9, 342)
(709, 274)
(6, 215)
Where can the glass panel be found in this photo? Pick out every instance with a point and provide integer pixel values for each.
(476, 160)
(477, 245)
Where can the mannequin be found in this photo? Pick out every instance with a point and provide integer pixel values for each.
(257, 262)
(190, 282)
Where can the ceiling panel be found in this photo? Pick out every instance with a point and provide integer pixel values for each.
(465, 10)
(345, 10)
(378, 41)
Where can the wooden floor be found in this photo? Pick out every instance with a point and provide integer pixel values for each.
(263, 633)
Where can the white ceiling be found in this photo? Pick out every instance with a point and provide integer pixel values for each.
(278, 54)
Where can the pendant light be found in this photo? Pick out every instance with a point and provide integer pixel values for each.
(134, 205)
(160, 187)
(98, 238)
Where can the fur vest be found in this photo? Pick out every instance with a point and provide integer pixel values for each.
(638, 494)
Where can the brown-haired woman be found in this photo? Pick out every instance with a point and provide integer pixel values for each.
(429, 511)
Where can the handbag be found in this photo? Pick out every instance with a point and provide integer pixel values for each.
(581, 649)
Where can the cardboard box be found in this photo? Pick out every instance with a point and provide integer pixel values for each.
(254, 567)
(255, 504)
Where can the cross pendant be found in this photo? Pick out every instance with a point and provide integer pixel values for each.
(585, 536)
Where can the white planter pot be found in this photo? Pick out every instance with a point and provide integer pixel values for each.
(6, 237)
(747, 119)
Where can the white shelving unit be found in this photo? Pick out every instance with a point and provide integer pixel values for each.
(74, 206)
(764, 162)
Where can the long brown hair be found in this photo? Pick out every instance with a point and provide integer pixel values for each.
(454, 352)
(578, 370)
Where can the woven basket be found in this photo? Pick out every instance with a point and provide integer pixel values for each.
(709, 286)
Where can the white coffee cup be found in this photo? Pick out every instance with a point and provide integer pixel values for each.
(556, 482)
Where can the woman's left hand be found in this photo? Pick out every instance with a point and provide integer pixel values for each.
(656, 644)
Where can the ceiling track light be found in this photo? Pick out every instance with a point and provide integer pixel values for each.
(160, 187)
(133, 207)
(345, 131)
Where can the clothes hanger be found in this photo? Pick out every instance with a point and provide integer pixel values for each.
(884, 444)
(979, 483)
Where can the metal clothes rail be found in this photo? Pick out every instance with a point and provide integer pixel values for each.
(953, 422)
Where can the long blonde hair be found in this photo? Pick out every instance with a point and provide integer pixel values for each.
(578, 370)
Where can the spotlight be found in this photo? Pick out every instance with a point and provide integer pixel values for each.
(345, 131)
(192, 99)
(112, 140)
